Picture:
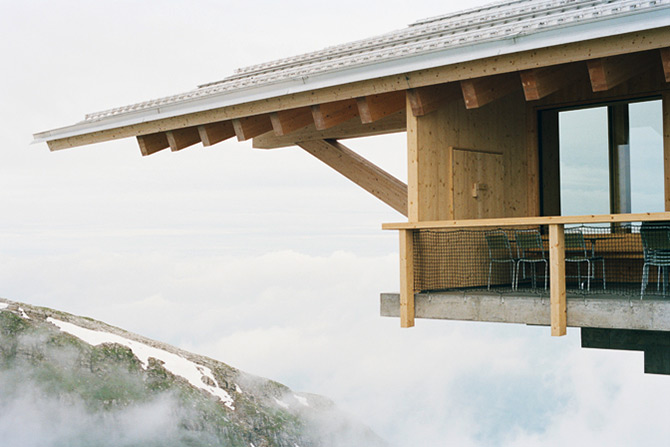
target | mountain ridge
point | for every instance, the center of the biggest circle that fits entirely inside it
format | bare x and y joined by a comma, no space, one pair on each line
104,374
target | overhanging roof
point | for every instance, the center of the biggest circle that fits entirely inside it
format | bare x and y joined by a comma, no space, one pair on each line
502,28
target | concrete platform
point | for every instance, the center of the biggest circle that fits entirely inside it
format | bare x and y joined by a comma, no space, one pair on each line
608,311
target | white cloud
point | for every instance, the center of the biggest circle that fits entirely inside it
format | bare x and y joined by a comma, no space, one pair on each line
266,260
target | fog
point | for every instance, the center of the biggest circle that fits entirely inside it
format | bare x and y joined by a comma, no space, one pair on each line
266,260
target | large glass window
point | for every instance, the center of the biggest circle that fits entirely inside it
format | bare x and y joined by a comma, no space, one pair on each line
646,157
584,162
605,159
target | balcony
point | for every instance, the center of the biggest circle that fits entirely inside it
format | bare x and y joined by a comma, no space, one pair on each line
594,273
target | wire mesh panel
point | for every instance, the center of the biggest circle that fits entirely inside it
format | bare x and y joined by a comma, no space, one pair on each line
621,259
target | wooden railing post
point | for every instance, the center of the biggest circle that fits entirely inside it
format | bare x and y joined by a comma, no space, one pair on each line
406,278
559,309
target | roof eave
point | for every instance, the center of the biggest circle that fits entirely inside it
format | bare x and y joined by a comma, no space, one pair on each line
512,44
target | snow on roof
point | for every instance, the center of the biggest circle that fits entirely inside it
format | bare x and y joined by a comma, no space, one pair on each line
502,27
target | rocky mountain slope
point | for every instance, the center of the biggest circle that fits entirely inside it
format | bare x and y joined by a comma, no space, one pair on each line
74,381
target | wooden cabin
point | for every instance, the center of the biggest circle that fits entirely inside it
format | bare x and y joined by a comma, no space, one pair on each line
489,99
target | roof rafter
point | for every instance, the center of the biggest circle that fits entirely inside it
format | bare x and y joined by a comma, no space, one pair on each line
331,114
608,72
287,121
665,59
182,138
252,126
481,91
152,143
425,100
375,107
540,82
213,133
348,129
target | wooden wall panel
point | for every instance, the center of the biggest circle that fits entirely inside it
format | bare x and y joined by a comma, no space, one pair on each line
479,179
497,127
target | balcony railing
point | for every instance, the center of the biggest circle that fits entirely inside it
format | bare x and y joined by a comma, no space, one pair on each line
447,255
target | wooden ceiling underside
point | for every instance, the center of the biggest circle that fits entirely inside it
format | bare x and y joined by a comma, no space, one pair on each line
386,113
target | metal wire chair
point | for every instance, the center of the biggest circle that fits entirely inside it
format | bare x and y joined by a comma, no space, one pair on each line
500,252
530,250
574,243
656,251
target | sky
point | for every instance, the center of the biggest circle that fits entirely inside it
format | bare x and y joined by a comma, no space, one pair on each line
266,260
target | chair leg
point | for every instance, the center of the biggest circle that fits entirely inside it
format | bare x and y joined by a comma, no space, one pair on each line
546,274
579,275
588,275
645,278
604,286
490,266
534,277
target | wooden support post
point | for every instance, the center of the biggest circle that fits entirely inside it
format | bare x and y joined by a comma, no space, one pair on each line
665,60
331,114
182,138
481,91
213,133
558,302
252,126
287,121
152,143
608,72
406,278
368,176
425,100
375,107
666,148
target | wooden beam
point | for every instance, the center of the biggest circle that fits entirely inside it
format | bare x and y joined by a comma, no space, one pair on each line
406,278
213,133
558,303
540,82
529,221
182,138
331,114
252,126
428,99
481,91
375,107
368,176
665,60
349,129
608,72
152,143
287,121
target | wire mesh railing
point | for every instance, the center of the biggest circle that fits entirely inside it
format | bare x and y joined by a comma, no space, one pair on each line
622,259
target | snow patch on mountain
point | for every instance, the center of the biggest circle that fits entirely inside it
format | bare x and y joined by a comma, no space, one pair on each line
301,399
281,403
197,375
